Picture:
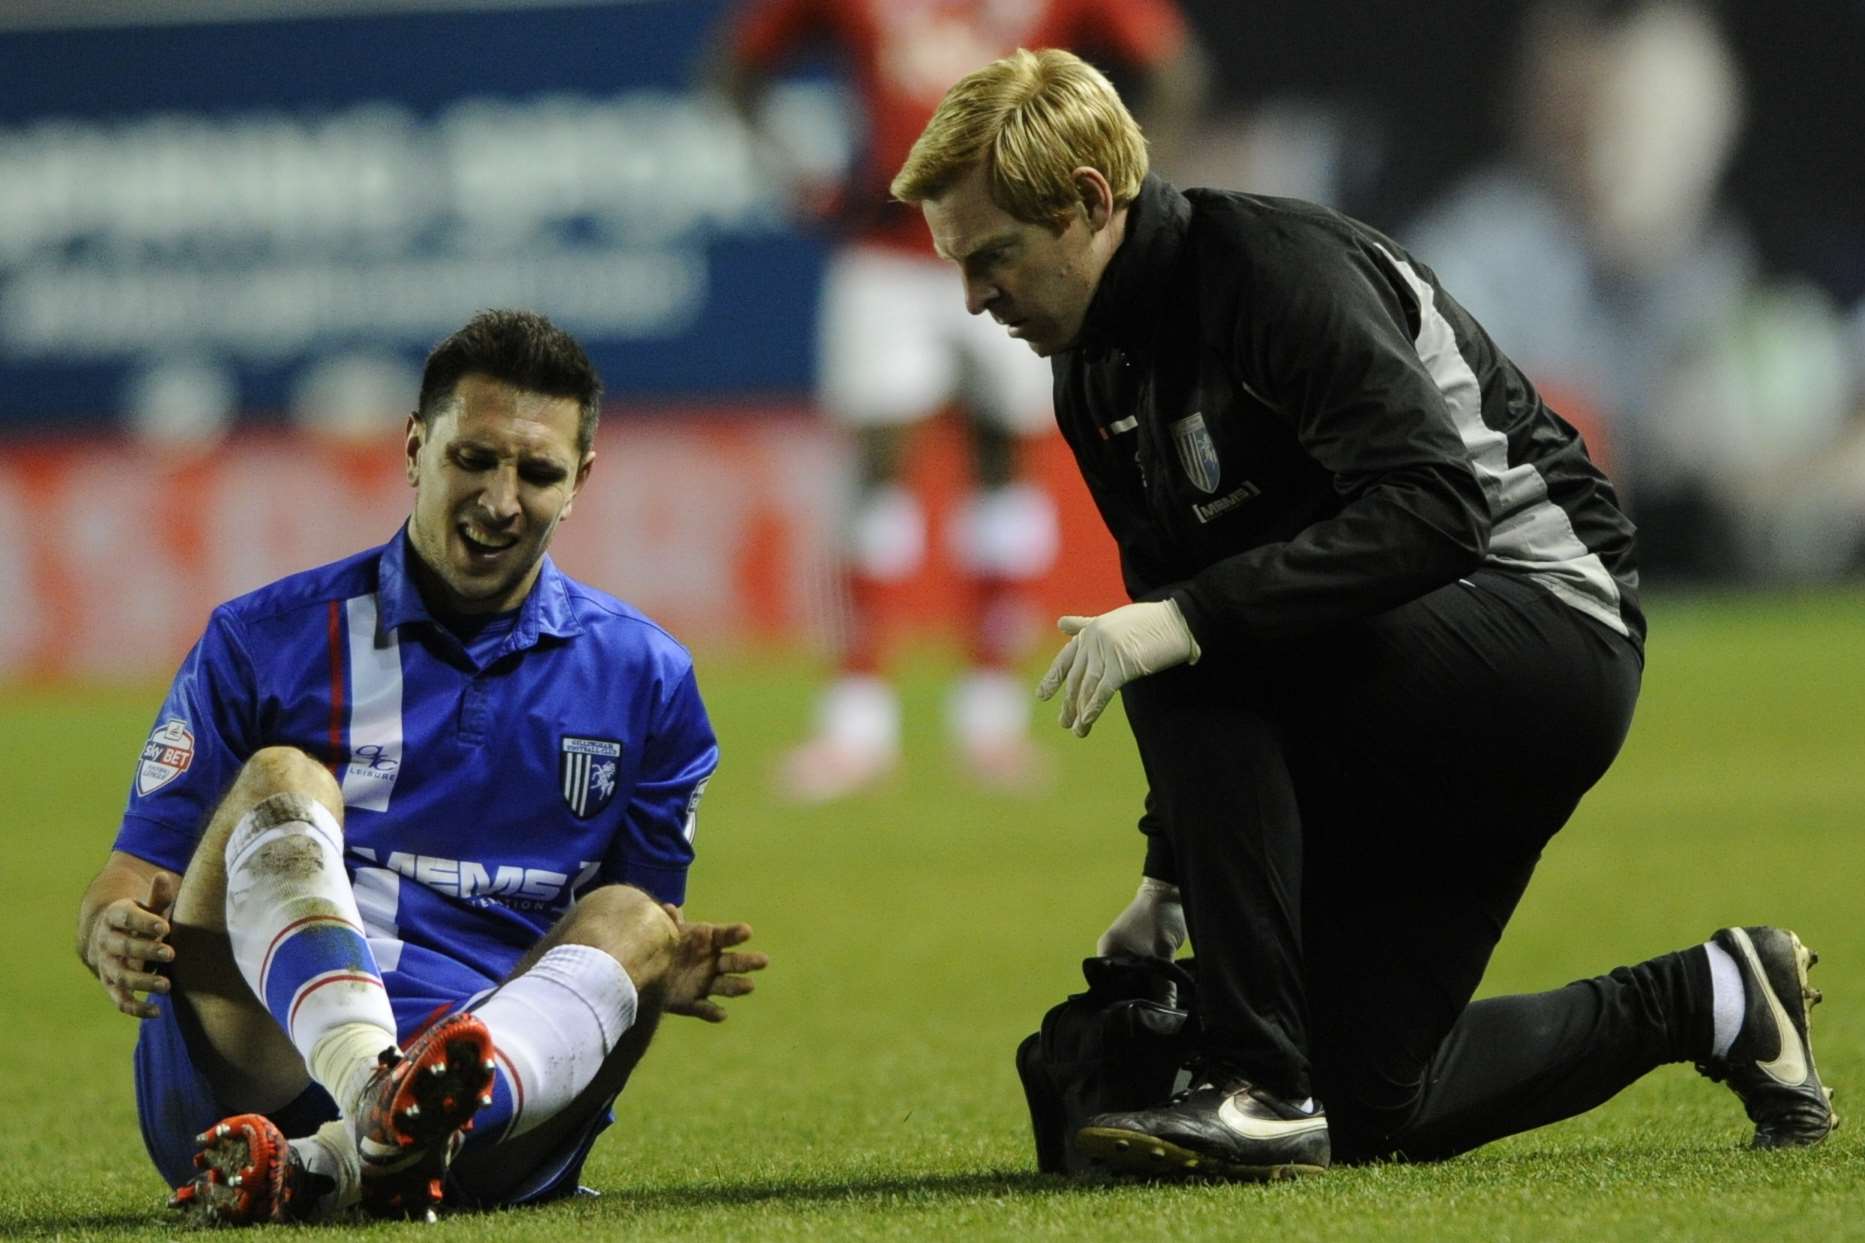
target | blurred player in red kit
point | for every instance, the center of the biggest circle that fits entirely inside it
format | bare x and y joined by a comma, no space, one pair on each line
894,348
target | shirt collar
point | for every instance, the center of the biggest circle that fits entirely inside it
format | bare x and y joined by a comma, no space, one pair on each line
546,610
1127,304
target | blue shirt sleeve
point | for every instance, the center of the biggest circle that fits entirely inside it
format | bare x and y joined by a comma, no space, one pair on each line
204,732
655,846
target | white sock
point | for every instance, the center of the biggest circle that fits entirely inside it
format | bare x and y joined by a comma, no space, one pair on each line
298,940
344,1058
331,1151
1730,999
553,1027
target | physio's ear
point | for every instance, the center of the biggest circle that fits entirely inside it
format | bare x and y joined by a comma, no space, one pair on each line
1095,194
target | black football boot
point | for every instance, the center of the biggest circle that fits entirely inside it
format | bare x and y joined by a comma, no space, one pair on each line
1220,1126
1770,1065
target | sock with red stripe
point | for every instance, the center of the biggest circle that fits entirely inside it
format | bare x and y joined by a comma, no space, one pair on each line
298,940
552,1027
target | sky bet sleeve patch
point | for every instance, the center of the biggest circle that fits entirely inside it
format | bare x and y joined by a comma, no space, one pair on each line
165,756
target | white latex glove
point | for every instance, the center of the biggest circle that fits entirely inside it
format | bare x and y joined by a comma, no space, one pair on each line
1152,926
1109,651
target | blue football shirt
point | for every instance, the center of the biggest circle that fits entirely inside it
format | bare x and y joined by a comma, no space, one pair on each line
484,787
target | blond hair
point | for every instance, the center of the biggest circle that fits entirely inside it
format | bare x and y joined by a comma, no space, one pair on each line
1032,118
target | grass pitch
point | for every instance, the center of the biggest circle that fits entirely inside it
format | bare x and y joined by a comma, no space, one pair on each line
866,1091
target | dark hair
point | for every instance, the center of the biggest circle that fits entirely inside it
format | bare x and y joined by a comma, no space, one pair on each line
526,351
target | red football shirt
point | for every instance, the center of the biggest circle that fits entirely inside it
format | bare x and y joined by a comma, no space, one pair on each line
905,54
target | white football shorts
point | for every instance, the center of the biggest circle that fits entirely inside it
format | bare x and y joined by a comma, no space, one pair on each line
896,344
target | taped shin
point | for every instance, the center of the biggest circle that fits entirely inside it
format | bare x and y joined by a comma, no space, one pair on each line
298,940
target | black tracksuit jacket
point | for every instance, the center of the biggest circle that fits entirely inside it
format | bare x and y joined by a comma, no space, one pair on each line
1287,424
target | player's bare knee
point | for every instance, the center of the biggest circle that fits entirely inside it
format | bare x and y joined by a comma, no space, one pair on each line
628,925
626,911
285,782
287,770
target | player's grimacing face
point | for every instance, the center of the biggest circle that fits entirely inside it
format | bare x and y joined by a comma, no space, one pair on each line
1035,280
493,475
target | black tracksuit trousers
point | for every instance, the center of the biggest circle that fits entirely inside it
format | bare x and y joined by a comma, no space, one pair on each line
1352,818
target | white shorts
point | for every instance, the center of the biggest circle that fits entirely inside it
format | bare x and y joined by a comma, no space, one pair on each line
896,344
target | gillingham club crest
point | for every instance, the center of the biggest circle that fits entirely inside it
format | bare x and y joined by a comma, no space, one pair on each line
587,770
1196,452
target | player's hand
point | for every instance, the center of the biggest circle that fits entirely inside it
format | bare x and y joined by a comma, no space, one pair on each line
1152,926
1105,653
127,937
706,965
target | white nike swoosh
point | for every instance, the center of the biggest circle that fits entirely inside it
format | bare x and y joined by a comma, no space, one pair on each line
1252,1126
1790,1068
382,1158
